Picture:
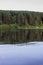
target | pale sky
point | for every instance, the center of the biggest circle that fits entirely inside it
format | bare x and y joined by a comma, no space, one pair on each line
30,5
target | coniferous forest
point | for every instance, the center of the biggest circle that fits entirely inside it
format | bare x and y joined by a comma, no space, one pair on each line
21,18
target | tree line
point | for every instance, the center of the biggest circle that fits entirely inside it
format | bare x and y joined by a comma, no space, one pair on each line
21,17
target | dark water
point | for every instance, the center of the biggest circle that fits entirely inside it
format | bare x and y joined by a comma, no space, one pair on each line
21,35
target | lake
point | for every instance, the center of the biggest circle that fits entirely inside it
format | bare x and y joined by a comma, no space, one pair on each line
21,47
21,36
22,54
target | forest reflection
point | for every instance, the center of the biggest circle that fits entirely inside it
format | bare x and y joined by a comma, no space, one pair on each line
21,35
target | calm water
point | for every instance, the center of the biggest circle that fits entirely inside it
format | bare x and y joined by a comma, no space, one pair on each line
22,54
21,35
29,51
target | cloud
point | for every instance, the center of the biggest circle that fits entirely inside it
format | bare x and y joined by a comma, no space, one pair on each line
32,5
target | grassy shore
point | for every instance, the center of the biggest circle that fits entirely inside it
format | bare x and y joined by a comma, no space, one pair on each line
5,27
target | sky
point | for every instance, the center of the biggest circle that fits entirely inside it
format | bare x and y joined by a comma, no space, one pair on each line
28,5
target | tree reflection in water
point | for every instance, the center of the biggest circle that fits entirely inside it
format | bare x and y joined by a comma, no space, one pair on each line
21,35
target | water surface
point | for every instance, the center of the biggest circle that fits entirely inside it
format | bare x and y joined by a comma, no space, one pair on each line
22,54
21,35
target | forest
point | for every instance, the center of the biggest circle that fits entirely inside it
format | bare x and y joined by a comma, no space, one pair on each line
17,19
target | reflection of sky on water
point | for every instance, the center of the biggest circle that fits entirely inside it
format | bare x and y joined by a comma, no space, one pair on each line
21,55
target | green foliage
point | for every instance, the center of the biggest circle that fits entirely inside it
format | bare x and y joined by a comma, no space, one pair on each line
21,17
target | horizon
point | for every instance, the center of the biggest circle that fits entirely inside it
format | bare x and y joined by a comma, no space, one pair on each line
21,10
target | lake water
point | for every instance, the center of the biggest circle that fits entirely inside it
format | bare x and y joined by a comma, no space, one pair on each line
21,35
26,47
22,54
